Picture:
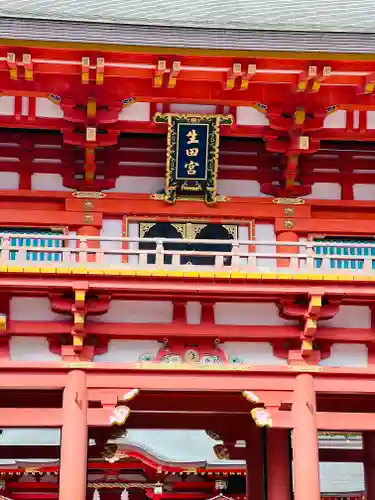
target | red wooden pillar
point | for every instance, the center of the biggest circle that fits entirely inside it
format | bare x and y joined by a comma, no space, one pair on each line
278,464
254,466
305,440
369,464
74,440
89,231
288,236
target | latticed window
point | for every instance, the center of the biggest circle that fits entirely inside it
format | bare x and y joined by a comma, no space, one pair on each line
37,240
193,231
354,251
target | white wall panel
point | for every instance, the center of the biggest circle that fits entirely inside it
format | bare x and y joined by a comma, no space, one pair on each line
47,109
31,349
138,111
364,191
240,188
34,309
193,313
133,184
137,311
25,106
350,317
251,353
9,180
247,115
335,120
265,232
128,351
112,227
370,119
202,109
325,191
7,105
48,182
350,355
253,313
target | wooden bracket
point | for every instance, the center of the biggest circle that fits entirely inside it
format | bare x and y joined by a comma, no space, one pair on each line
316,77
176,68
85,75
247,76
79,313
12,65
28,65
161,68
233,74
310,325
99,70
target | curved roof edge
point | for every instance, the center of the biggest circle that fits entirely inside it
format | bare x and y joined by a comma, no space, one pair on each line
185,38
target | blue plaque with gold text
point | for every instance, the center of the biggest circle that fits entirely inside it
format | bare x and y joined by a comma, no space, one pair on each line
192,154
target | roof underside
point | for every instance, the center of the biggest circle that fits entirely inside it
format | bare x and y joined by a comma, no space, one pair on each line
183,37
348,16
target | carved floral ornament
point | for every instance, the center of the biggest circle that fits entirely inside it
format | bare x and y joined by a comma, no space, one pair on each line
121,413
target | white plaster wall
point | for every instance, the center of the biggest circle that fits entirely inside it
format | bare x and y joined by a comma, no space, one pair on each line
202,109
364,191
136,311
133,184
356,119
111,227
253,313
129,351
193,313
335,120
250,116
138,111
353,355
349,317
25,106
9,180
325,191
31,349
265,232
48,182
46,108
370,119
33,309
239,187
341,477
7,105
251,353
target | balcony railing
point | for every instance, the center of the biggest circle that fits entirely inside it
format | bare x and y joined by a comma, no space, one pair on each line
245,255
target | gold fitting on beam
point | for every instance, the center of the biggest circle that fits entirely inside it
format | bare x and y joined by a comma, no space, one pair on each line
251,71
304,142
28,65
85,70
161,68
176,68
100,70
91,108
12,65
91,134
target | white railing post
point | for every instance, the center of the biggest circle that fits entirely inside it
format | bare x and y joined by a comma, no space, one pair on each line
176,260
310,255
367,265
5,253
235,255
219,261
159,261
82,250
